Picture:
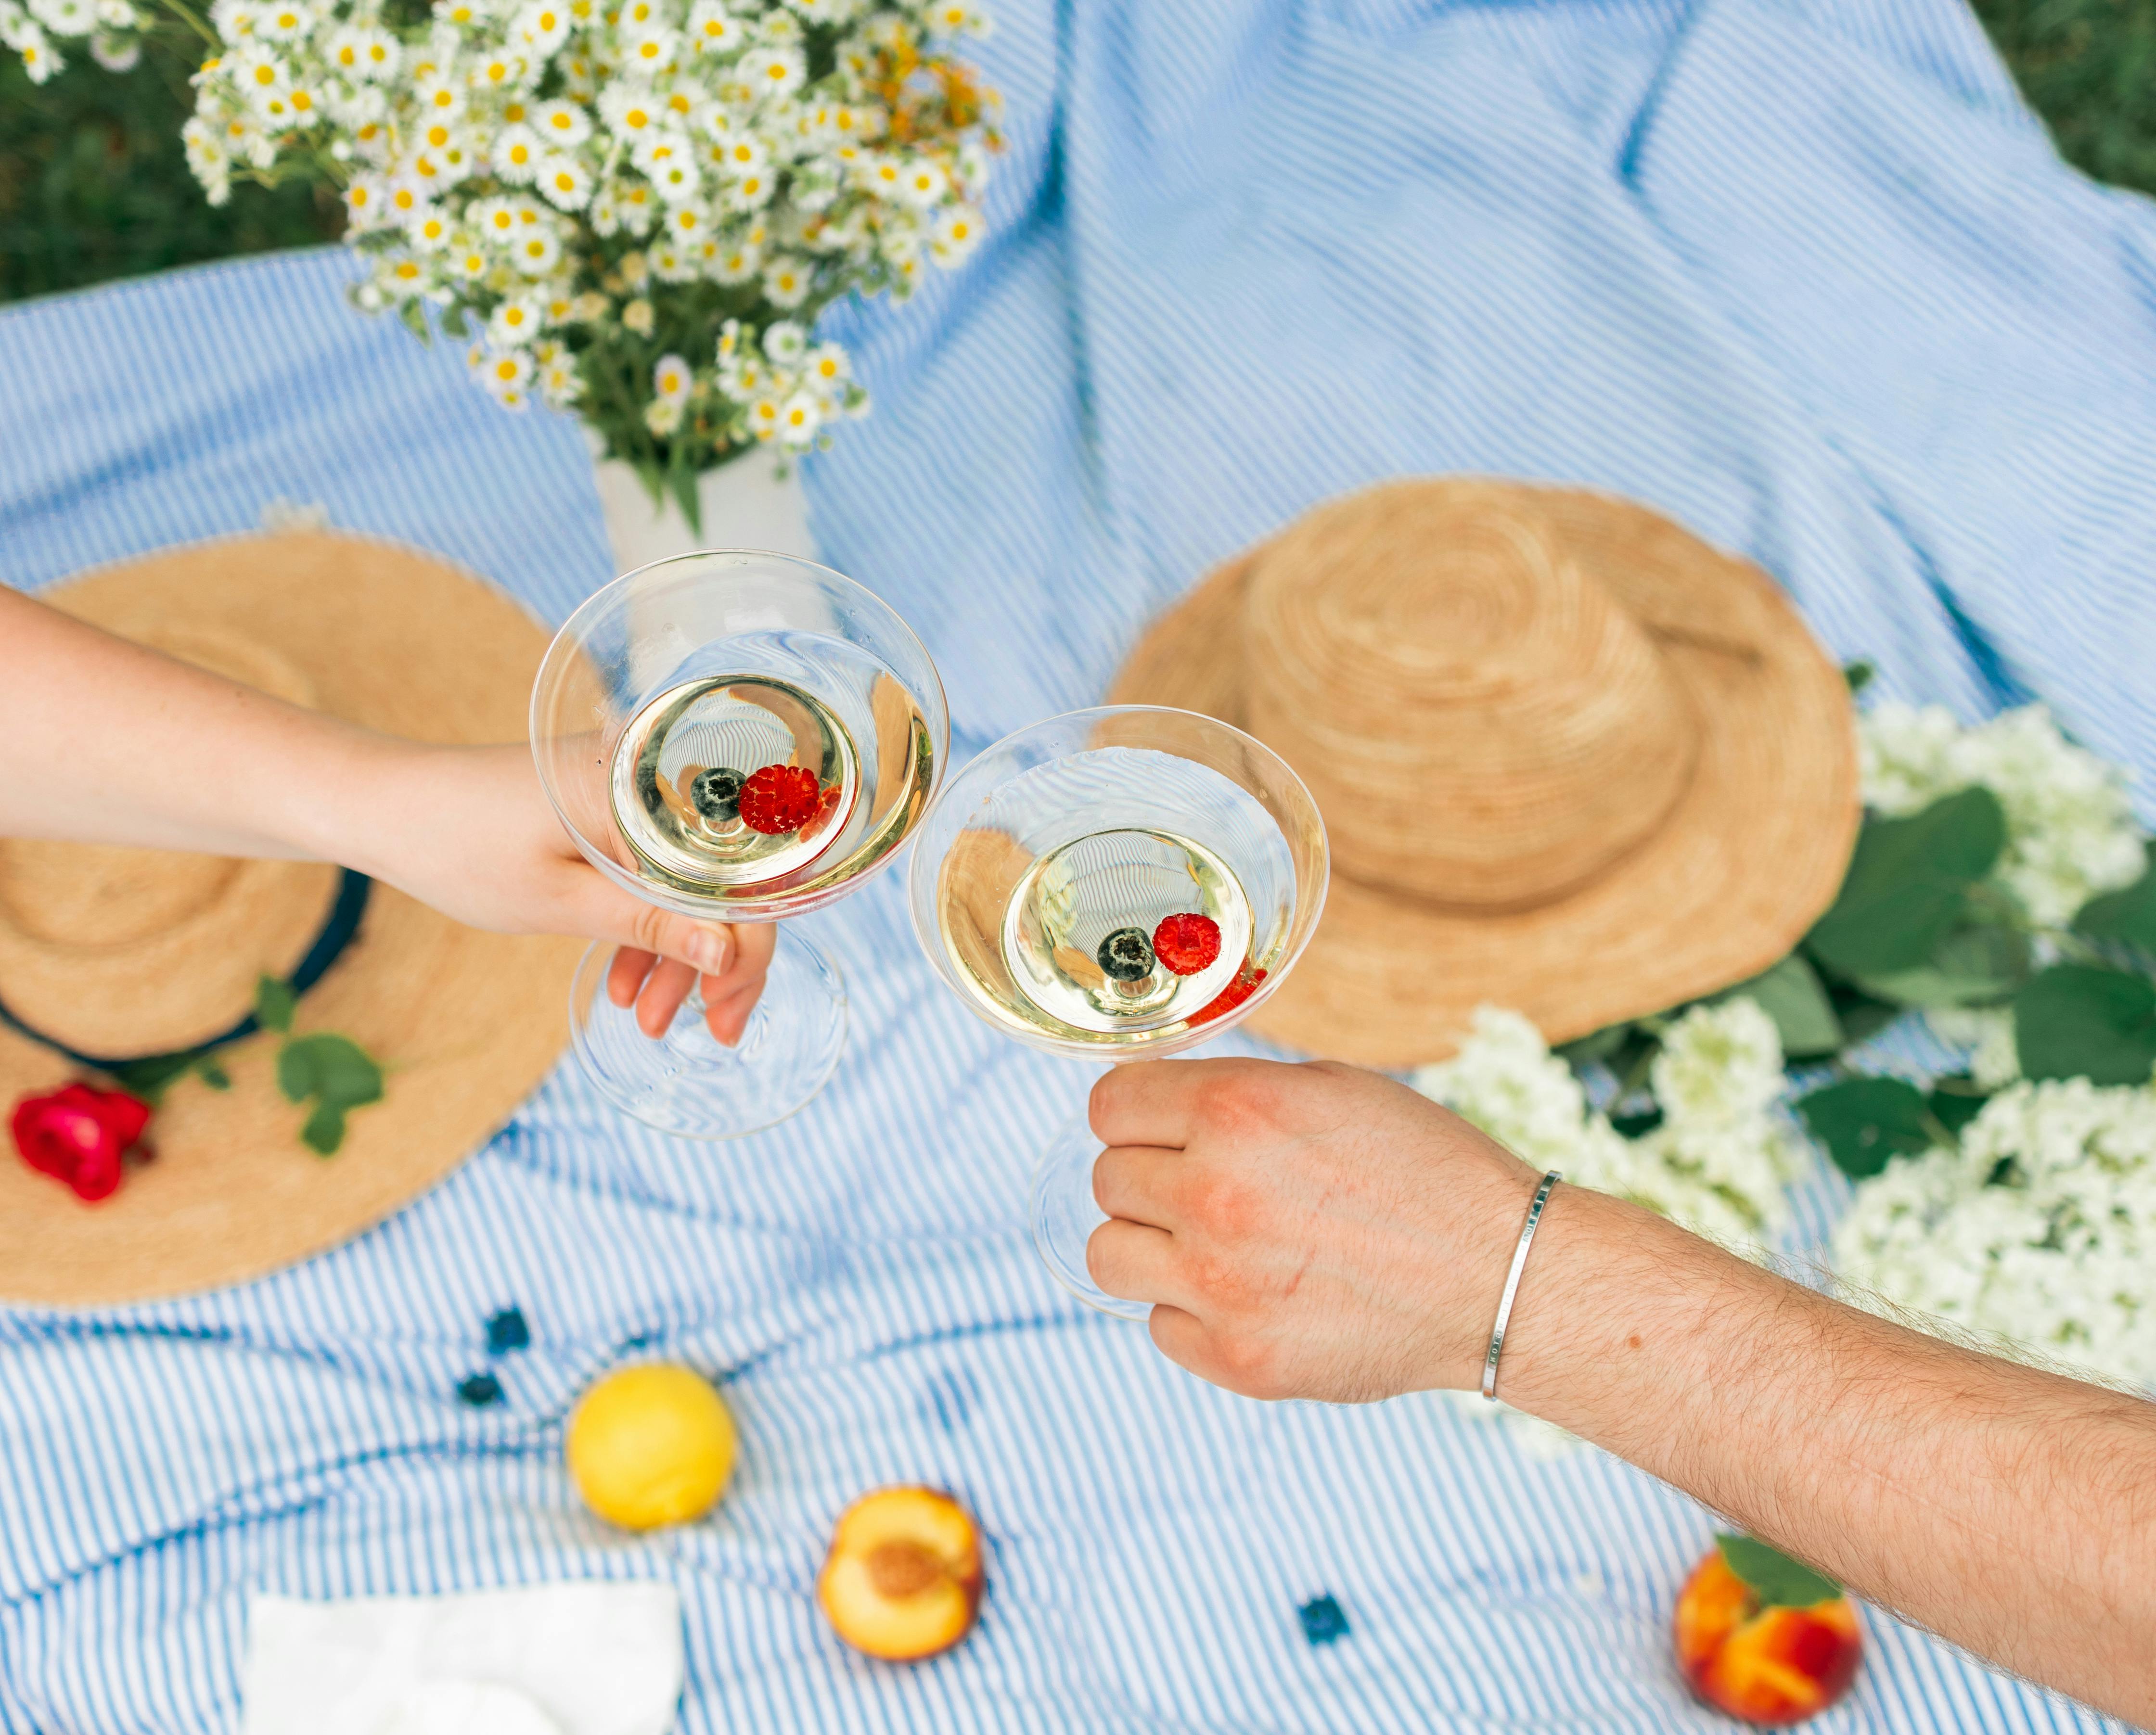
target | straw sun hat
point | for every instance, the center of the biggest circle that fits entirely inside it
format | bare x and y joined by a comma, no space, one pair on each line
1572,760
118,954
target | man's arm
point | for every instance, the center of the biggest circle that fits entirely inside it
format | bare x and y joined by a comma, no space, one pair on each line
1321,1232
104,741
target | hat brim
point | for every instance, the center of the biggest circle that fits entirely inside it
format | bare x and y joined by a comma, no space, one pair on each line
465,1023
1752,852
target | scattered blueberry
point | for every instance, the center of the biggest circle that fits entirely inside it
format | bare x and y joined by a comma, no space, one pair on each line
507,1331
717,793
1322,1620
1127,955
480,1390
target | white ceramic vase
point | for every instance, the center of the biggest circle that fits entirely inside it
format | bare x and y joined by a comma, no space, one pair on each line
745,504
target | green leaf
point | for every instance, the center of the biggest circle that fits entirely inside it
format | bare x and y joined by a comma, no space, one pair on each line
1858,675
1970,966
324,1131
1955,1100
1907,884
1791,994
1638,1126
295,1071
149,1079
212,1075
1865,1121
2129,914
274,1003
1597,1045
2083,1021
336,1069
1777,1581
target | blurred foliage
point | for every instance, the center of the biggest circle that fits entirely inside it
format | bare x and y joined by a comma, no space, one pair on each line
93,184
2088,67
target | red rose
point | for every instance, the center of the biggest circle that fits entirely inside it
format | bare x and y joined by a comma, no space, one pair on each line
79,1134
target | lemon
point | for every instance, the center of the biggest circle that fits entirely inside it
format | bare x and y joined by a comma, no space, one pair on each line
651,1445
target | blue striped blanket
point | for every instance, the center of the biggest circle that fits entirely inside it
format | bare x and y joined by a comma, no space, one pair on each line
1802,272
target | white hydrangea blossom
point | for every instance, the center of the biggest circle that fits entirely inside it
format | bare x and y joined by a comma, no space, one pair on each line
1994,1062
646,168
2070,832
2036,1232
1719,1163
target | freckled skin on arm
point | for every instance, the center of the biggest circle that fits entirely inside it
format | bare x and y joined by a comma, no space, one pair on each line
1322,1232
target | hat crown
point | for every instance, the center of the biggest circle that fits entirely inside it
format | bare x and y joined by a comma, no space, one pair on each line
1482,724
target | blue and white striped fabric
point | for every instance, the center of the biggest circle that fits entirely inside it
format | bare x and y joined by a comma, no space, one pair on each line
1802,273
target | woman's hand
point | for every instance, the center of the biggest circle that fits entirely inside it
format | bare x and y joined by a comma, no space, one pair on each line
1312,1231
469,831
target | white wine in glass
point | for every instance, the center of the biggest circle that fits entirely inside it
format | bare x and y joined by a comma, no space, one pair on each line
736,736
1121,883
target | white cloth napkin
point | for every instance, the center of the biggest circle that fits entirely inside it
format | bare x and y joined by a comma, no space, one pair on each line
544,1660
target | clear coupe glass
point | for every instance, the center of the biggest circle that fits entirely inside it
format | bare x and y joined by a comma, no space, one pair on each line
1120,883
737,736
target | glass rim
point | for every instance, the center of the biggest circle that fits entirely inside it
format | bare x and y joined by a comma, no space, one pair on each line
784,905
920,894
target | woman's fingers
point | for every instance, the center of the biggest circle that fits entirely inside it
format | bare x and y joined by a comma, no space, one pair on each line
726,1016
625,974
661,996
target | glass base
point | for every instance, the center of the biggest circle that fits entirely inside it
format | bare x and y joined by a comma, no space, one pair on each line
1064,1216
691,1085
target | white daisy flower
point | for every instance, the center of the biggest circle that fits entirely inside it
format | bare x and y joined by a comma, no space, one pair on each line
471,263
66,17
639,206
957,233
366,200
506,372
495,220
536,251
786,283
517,321
259,73
630,110
234,20
429,230
764,418
921,184
361,53
713,29
785,342
541,28
672,265
748,192
515,155
827,366
799,418
562,125
282,20
773,71
497,71
637,317
438,99
736,265
404,277
563,181
688,227
114,52
662,416
671,377
650,51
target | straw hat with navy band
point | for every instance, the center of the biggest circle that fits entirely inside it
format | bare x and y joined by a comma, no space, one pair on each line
110,955
1572,759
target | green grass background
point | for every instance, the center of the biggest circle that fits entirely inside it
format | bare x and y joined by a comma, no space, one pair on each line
93,185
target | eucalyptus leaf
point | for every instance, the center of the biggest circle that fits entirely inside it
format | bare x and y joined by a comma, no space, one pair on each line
1777,1581
1907,884
323,1133
2129,914
1859,674
2084,1021
1970,966
1791,994
274,1003
1864,1122
212,1074
295,1071
149,1079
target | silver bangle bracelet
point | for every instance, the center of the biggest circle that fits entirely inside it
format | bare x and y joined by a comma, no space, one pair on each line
1512,1284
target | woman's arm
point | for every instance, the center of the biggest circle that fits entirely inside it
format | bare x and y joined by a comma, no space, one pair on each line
104,741
1322,1232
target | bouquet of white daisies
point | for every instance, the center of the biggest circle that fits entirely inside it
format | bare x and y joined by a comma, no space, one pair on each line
633,208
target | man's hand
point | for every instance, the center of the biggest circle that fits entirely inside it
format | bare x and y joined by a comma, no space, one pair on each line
469,830
1309,1231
